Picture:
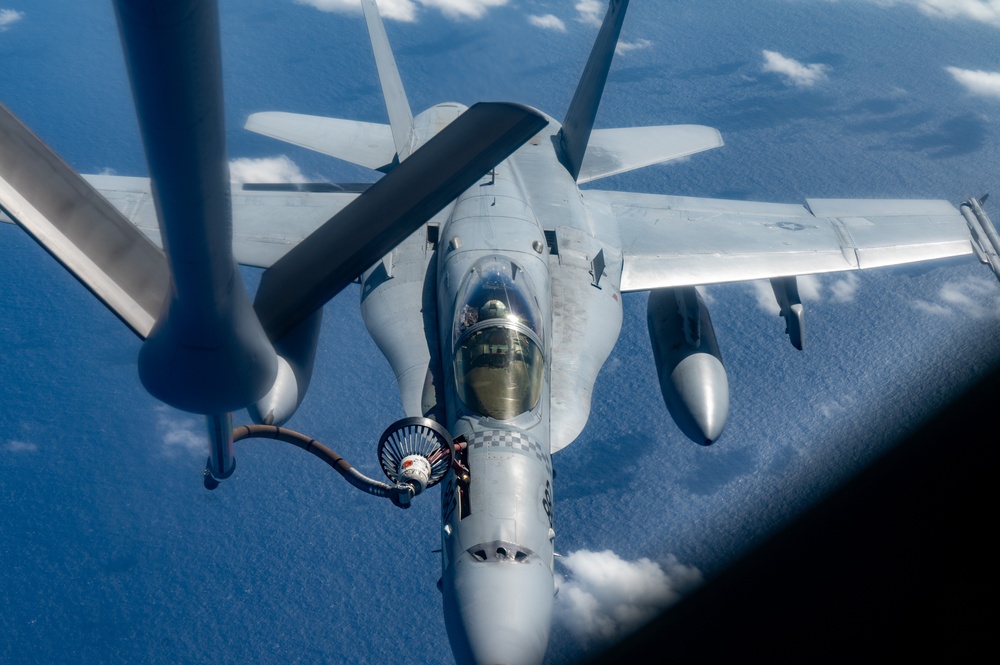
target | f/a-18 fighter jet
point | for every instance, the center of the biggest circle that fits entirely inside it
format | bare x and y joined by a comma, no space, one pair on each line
491,282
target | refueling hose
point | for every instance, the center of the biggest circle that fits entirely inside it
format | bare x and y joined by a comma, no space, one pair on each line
399,494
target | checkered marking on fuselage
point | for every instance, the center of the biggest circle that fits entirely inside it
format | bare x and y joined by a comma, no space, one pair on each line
517,442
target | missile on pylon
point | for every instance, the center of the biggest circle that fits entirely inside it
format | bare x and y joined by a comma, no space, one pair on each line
986,242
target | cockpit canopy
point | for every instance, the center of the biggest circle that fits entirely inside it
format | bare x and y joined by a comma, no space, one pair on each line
499,366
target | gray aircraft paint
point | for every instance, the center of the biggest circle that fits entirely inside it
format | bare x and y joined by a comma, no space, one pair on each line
580,249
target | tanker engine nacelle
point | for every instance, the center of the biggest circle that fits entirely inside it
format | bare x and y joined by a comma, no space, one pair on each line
688,363
296,355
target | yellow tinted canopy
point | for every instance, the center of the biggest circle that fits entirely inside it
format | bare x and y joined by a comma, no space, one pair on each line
499,364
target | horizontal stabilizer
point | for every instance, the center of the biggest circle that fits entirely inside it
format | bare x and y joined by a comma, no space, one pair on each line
613,151
78,227
393,208
366,144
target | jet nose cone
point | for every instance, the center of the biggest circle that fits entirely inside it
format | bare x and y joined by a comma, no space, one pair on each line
703,388
498,613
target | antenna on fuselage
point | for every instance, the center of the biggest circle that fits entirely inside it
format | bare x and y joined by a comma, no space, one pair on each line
579,121
396,104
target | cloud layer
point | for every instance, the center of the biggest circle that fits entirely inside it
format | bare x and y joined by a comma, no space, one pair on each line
15,446
181,433
639,44
982,11
406,10
976,298
794,72
265,169
604,596
977,82
9,17
548,21
590,11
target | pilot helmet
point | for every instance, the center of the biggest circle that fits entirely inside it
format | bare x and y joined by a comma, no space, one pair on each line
494,309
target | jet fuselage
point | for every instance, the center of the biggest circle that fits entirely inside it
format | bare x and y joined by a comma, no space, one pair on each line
471,322
494,304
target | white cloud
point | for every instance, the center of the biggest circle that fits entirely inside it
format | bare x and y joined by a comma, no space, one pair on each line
9,17
844,288
265,169
810,287
978,82
983,11
398,10
830,409
463,8
548,21
15,446
931,308
833,408
639,44
765,296
604,596
794,72
181,433
976,298
591,11
406,10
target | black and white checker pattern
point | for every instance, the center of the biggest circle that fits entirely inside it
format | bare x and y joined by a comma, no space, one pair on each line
513,441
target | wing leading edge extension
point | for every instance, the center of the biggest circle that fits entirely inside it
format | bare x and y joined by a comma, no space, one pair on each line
672,241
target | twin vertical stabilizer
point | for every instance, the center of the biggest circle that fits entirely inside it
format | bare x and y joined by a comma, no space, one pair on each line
400,116
579,121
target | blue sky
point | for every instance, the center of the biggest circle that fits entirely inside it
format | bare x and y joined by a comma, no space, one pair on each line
112,550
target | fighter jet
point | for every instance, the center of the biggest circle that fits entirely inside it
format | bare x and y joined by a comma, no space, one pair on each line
489,279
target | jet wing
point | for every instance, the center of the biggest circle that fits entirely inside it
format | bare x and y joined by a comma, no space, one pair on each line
268,220
682,241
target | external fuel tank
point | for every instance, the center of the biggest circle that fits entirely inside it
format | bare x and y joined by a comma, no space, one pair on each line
688,362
